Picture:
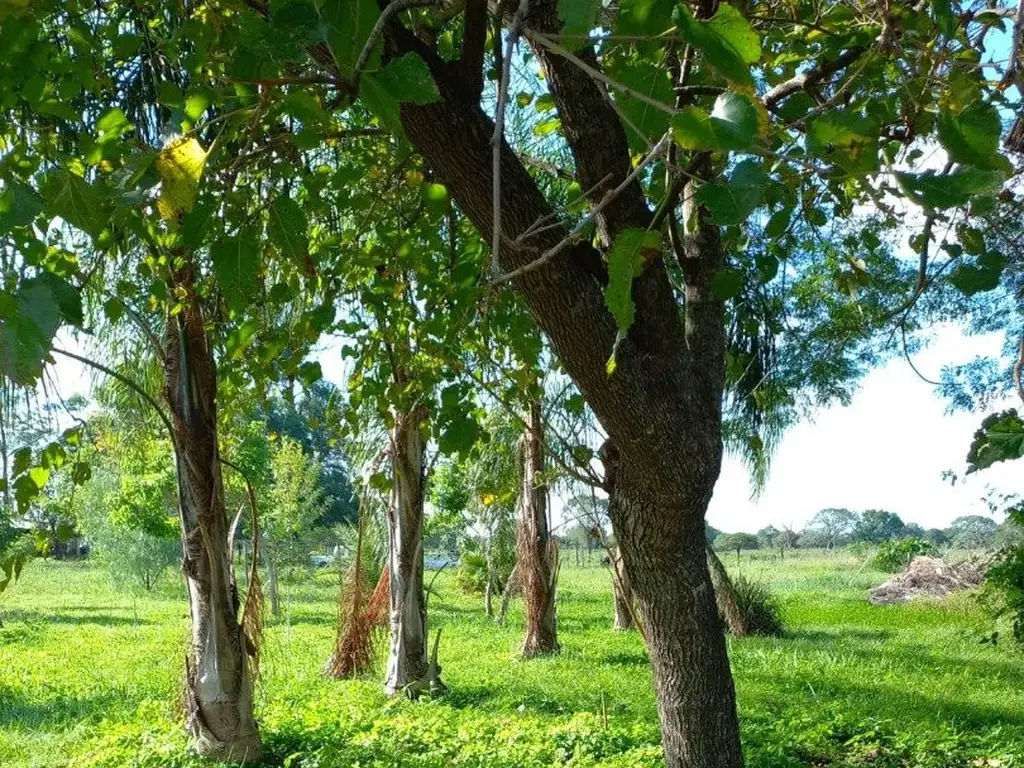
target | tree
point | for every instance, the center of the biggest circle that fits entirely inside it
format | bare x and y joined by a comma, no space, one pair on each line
877,525
936,537
737,542
295,501
655,291
536,549
972,532
830,527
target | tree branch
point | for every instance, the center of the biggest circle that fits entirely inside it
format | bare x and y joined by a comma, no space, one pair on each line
498,137
548,255
127,382
394,7
474,41
812,77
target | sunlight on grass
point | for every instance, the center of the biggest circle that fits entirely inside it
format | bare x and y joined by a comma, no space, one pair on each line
89,676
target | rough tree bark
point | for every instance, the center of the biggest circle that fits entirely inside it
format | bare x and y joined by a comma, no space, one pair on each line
623,594
536,557
219,706
407,658
725,596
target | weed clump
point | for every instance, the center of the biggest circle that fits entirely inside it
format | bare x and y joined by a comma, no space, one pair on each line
761,610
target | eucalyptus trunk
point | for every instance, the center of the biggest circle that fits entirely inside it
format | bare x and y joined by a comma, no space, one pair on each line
218,686
536,556
407,658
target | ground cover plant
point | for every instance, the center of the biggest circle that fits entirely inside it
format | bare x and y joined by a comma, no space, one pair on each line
88,675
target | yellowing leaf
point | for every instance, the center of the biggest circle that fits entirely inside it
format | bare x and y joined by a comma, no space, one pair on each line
487,499
179,165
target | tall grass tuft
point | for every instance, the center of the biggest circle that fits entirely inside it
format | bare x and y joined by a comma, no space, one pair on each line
761,611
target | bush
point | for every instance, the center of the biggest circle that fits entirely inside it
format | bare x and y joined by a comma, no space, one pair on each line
894,555
761,610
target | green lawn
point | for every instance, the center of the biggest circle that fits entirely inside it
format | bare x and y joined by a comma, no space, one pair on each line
89,675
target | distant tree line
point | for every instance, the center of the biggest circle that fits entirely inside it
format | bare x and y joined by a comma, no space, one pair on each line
838,527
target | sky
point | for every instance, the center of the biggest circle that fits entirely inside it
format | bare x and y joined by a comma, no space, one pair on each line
886,450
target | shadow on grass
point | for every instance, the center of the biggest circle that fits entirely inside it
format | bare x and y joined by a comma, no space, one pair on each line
16,710
100,619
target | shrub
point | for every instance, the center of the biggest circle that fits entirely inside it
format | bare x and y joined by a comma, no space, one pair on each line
894,555
760,608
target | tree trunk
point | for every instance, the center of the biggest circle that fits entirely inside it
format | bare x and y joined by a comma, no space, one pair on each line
272,587
407,659
623,594
676,603
661,407
536,557
219,706
725,596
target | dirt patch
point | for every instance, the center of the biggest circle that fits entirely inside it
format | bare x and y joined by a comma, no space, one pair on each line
928,577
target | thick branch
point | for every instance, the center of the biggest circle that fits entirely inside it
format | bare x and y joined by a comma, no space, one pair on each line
474,41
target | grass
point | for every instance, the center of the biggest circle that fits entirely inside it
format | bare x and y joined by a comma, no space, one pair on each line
89,676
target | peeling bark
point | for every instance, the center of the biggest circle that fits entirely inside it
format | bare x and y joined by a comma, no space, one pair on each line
219,706
407,658
536,556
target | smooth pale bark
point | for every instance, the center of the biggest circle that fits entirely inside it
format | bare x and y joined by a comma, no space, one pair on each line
407,657
536,557
219,706
623,594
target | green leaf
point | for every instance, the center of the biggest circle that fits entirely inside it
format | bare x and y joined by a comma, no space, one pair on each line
349,25
459,434
310,373
28,321
76,201
112,125
972,136
80,473
382,104
288,229
732,124
733,202
25,492
19,205
578,17
22,460
727,40
983,276
643,76
408,79
113,308
846,139
1001,438
630,251
39,476
726,284
933,190
971,239
68,299
778,223
236,265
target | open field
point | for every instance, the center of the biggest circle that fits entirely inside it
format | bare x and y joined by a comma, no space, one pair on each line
89,674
